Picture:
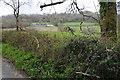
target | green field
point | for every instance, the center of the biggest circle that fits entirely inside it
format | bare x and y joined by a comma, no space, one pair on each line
78,23
90,28
63,35
77,32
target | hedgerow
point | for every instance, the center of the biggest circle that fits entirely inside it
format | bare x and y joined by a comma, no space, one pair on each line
77,57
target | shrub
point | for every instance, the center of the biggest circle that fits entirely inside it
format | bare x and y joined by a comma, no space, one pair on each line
21,40
33,41
97,57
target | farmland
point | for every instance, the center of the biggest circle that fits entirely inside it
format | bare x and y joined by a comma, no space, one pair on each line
92,27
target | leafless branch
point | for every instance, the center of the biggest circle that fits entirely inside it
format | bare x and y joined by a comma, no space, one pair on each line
71,30
81,12
13,3
9,4
51,4
89,75
23,4
96,10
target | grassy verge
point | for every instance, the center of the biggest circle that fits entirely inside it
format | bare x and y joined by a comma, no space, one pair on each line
35,66
0,51
22,60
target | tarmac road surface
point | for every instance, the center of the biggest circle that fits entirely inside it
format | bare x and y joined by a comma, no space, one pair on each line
9,71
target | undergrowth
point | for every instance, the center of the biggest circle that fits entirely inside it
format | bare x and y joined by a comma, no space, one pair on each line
62,57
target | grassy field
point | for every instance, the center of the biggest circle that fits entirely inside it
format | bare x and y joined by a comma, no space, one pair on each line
68,35
87,27
78,23
53,31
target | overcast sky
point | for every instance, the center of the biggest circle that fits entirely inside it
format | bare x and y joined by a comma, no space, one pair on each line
33,7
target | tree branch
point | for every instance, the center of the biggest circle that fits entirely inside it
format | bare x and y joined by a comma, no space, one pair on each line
46,5
23,4
9,5
79,10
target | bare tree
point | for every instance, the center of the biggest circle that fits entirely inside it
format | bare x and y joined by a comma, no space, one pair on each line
15,5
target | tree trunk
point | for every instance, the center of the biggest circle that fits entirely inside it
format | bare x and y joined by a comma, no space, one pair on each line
108,20
17,16
17,24
118,26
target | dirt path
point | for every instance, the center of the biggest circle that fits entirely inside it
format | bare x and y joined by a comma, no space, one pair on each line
9,70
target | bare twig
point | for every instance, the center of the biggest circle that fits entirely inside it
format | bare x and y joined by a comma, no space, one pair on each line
9,4
89,75
81,12
96,11
37,41
71,30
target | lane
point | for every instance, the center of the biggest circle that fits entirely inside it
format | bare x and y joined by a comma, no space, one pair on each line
9,71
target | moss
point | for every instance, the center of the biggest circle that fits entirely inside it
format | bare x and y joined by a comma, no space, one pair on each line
108,20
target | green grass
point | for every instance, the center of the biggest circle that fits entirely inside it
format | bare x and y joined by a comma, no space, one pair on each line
78,23
67,35
91,28
84,28
35,66
0,50
58,34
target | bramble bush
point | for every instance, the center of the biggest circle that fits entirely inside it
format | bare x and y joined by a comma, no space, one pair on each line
99,58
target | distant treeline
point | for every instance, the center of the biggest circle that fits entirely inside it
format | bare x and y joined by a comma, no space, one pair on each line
55,19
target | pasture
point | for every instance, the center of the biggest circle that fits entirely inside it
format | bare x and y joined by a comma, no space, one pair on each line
89,27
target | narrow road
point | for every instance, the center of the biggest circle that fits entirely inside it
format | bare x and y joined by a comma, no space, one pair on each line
9,70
